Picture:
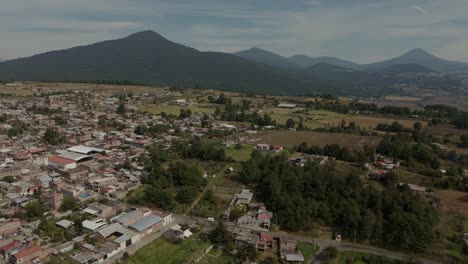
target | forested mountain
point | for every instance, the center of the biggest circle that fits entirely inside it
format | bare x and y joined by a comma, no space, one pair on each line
305,61
147,57
267,57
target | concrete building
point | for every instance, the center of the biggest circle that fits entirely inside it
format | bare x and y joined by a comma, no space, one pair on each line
120,235
53,200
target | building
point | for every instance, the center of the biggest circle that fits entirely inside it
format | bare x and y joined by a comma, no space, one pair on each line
128,218
166,217
100,210
85,150
120,235
53,200
26,255
287,105
147,225
60,163
10,226
244,197
94,224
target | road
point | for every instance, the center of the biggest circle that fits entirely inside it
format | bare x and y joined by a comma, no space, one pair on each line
345,246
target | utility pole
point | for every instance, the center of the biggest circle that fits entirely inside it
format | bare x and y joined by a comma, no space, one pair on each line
354,236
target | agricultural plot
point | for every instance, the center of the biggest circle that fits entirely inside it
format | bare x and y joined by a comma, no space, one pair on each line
241,154
453,201
289,139
369,122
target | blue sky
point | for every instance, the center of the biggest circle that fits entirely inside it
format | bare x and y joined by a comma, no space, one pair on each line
359,30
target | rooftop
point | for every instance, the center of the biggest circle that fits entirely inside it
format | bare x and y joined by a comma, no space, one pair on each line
145,222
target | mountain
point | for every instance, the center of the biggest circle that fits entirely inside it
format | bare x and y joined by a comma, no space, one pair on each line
407,68
147,57
305,61
421,57
267,57
2,60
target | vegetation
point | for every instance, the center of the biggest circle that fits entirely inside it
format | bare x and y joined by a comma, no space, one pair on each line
53,137
392,216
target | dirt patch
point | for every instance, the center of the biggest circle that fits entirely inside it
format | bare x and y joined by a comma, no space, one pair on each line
453,201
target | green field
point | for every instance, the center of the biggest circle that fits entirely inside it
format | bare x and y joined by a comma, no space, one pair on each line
354,257
307,250
242,154
163,252
216,256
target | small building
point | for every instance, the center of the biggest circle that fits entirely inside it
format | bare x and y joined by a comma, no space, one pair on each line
53,200
100,210
287,105
64,223
94,224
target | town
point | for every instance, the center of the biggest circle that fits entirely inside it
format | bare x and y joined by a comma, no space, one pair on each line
93,174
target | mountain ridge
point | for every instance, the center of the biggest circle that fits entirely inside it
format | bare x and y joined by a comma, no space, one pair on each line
147,57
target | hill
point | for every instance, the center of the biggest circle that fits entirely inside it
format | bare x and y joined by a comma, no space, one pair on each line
268,58
421,57
147,57
407,68
305,61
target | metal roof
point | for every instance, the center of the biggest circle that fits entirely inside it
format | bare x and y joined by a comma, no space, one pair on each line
145,222
73,156
86,150
125,234
123,219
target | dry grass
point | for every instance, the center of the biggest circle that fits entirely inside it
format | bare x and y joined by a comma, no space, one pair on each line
453,201
290,138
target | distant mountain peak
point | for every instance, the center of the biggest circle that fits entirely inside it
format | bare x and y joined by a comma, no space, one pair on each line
418,54
146,34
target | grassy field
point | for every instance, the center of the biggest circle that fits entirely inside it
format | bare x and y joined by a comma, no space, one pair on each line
175,109
307,250
242,154
369,122
354,257
453,201
163,252
216,256
289,139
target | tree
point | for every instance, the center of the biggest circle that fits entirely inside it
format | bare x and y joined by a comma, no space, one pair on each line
53,137
417,126
236,213
121,108
140,130
464,141
290,123
186,194
69,203
221,236
330,253
185,113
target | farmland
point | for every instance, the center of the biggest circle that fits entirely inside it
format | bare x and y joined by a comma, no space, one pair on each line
175,109
291,138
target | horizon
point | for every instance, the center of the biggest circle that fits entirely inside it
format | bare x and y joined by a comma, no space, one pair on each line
360,31
250,48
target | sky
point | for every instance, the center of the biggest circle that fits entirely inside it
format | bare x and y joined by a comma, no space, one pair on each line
359,30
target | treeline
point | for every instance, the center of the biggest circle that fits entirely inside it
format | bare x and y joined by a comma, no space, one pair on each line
435,114
300,197
338,152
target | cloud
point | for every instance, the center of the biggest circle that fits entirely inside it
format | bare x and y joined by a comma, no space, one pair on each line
420,9
361,30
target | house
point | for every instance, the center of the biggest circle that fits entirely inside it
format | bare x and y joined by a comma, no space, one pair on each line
53,200
44,181
64,223
287,105
100,210
166,217
94,224
263,147
63,248
120,235
265,241
244,197
8,227
26,255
